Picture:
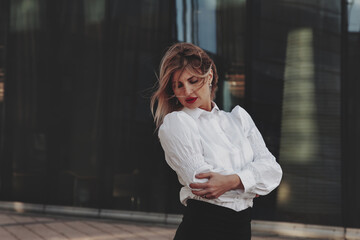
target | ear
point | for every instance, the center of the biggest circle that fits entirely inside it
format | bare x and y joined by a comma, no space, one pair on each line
210,77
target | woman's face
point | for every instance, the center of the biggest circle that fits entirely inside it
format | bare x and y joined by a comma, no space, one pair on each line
191,91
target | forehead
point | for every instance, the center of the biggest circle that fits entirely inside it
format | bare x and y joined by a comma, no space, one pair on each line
182,75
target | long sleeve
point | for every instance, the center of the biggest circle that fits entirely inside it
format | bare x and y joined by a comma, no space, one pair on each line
180,139
263,174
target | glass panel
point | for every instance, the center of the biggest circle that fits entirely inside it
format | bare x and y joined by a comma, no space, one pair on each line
134,173
75,31
230,52
4,21
81,132
295,99
3,34
353,16
26,140
219,28
53,105
351,113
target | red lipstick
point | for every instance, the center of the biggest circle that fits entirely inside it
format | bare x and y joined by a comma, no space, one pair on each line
191,99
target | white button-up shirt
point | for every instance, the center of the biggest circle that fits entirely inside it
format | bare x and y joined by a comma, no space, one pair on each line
197,141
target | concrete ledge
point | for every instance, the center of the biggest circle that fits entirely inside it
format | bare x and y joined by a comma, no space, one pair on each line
115,214
71,211
269,227
299,230
174,219
352,233
22,207
134,216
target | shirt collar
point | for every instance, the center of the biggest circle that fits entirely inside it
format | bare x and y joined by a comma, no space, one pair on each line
196,112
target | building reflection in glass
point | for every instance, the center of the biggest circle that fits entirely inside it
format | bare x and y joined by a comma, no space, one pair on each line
196,22
299,130
353,15
233,90
210,24
351,113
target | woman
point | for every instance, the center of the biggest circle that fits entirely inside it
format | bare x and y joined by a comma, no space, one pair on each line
220,158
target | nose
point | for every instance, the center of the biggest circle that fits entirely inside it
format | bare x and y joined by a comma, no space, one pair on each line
187,89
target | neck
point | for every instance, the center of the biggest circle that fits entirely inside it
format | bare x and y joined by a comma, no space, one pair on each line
208,106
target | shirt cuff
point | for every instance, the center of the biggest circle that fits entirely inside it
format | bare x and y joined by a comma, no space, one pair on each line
247,179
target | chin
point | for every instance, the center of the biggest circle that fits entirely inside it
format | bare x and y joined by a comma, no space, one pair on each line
191,106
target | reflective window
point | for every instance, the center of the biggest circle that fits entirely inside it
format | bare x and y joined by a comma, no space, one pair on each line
353,16
351,112
4,20
81,129
219,28
295,101
79,75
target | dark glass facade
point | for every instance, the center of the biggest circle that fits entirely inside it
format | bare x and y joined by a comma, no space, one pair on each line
296,56
351,113
76,79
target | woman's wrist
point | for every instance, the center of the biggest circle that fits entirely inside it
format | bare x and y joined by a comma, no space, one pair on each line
236,182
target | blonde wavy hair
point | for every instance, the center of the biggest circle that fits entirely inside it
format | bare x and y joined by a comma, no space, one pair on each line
180,56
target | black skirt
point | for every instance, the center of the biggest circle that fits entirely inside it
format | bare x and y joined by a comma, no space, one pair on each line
204,220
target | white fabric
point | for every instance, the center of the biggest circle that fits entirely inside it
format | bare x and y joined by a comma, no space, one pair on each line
197,141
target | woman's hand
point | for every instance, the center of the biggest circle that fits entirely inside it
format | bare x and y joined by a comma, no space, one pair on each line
216,185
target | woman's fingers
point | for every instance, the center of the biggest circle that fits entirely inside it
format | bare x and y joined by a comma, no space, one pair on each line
200,192
209,193
204,194
198,185
200,176
204,175
216,185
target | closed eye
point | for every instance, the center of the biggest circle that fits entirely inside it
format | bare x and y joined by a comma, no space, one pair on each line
193,80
